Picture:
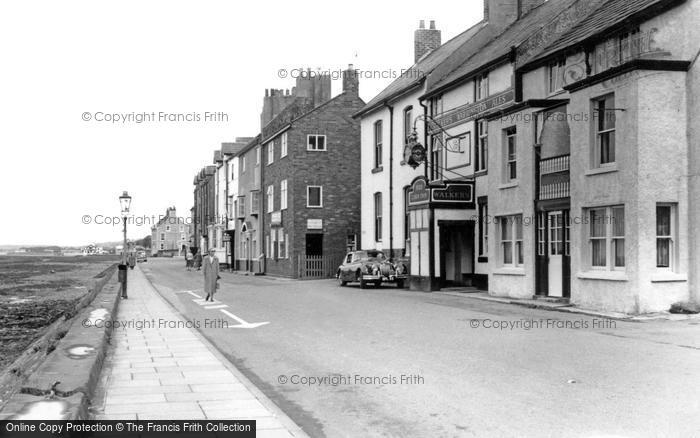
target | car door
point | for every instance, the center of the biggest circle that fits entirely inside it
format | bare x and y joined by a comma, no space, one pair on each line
345,268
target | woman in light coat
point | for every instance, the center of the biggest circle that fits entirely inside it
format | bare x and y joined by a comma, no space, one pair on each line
211,274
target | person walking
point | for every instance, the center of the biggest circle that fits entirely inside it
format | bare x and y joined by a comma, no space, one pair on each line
131,259
211,274
189,258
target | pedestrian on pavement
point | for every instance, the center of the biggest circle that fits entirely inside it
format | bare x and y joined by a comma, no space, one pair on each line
198,260
189,258
211,274
131,260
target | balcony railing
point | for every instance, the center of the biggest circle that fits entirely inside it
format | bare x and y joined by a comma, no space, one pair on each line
554,178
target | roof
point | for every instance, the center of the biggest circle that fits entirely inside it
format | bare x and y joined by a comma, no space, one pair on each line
608,15
423,67
475,54
233,148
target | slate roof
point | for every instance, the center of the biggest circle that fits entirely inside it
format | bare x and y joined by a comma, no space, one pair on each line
474,55
423,67
611,13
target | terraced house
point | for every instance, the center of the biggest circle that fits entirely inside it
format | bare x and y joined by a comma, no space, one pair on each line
562,160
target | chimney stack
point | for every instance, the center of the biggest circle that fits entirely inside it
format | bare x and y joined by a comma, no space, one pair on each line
426,40
502,13
351,83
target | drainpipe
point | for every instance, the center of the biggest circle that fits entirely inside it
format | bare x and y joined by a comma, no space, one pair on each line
261,213
391,180
431,218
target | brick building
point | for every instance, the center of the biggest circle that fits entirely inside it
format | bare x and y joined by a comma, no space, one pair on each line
311,180
170,236
204,216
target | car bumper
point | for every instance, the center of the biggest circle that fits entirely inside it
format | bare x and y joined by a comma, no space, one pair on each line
389,279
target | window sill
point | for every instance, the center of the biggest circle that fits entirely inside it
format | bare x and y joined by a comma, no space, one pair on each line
520,272
601,170
603,275
378,169
314,206
481,173
668,277
509,185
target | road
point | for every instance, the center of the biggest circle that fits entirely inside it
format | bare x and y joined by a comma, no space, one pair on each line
470,367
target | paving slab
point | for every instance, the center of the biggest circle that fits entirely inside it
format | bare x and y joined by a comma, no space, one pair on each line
165,373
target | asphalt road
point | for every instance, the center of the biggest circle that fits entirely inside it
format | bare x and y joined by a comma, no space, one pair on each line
470,367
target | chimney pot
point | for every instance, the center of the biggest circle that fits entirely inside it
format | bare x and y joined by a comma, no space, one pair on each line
426,40
421,24
432,24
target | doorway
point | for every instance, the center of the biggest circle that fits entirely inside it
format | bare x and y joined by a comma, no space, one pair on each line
456,252
314,244
553,258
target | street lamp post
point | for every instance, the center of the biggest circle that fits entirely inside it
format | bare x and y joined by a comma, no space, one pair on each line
125,202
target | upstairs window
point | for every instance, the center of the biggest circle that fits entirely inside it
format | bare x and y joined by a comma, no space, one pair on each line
510,154
407,124
315,142
555,76
314,196
378,147
482,147
283,195
283,147
481,87
270,198
604,120
270,152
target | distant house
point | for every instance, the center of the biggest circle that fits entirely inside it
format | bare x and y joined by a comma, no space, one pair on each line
170,236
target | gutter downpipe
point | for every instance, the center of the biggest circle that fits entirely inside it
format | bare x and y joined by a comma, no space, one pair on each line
431,218
391,179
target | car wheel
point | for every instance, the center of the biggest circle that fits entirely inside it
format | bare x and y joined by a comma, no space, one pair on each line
399,284
340,279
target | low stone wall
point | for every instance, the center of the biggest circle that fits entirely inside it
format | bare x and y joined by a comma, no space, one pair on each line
57,375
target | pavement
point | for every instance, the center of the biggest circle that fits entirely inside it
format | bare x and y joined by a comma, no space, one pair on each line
163,369
345,361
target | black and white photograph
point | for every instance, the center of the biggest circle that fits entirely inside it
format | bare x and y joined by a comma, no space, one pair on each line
350,219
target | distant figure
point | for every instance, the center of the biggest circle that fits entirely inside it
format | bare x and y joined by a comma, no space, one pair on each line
211,274
189,260
131,260
198,260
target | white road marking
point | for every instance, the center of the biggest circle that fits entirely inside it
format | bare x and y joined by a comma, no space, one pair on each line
202,302
220,306
242,322
193,294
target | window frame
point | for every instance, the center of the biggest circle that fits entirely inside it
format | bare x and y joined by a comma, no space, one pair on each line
600,131
609,238
407,124
558,66
270,152
283,194
671,237
481,158
483,212
510,172
378,216
481,87
284,145
320,196
270,196
514,225
316,148
378,144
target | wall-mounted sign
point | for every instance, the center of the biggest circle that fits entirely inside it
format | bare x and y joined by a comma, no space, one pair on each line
471,111
276,218
419,193
314,224
454,193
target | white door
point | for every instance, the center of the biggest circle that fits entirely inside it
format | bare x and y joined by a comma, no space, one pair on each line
556,253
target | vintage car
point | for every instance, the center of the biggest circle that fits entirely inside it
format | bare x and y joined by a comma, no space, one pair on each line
371,267
141,256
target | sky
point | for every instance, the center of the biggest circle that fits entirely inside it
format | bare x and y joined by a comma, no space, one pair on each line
67,67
